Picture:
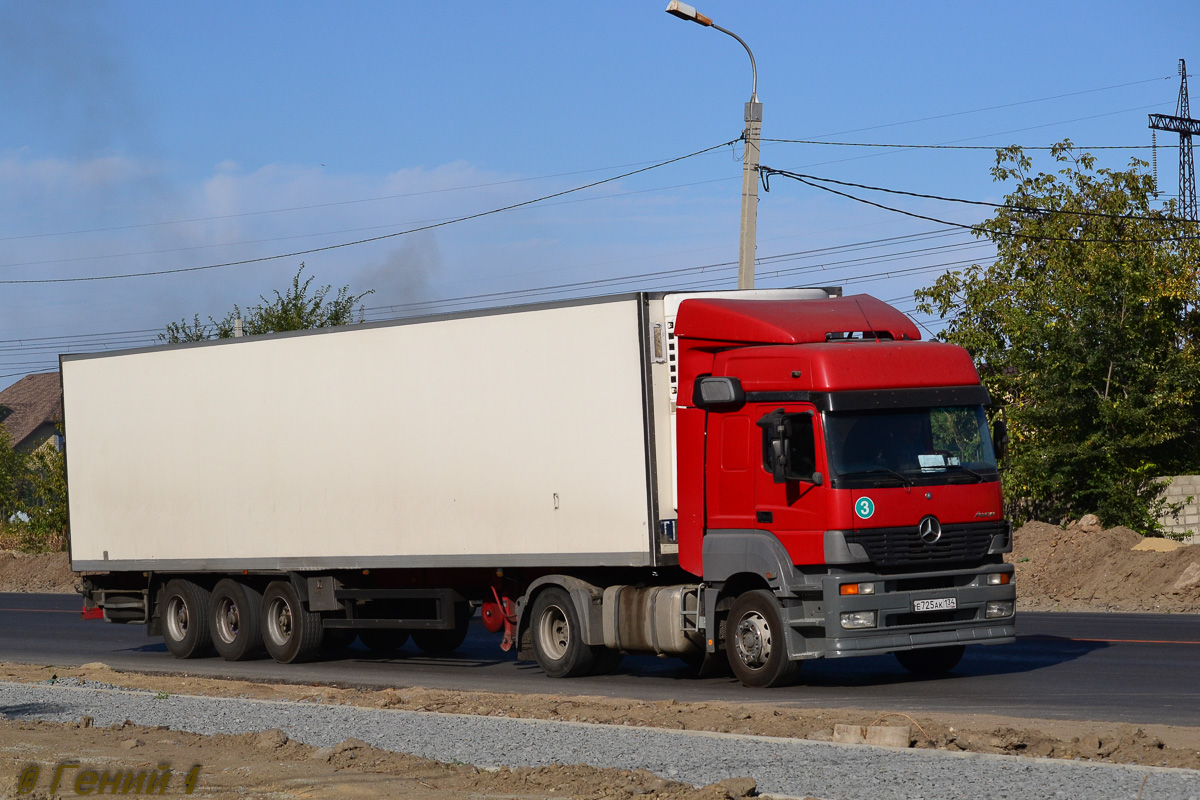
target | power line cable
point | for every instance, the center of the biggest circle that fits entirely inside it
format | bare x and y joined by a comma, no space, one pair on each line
962,146
768,171
163,251
986,231
340,245
998,107
331,204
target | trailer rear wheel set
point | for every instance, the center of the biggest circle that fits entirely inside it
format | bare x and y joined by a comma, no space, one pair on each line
240,623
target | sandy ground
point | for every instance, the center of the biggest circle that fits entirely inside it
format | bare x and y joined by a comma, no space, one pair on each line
1080,568
268,764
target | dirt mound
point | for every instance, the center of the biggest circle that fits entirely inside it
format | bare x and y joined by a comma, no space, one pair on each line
1084,568
40,572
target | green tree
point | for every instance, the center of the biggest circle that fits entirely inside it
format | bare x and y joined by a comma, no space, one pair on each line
1085,333
33,498
299,308
13,477
45,502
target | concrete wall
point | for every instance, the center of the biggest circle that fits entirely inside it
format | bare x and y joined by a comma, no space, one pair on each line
1182,487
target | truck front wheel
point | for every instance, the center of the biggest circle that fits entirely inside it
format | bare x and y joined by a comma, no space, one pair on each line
290,633
185,619
234,620
558,637
930,660
756,641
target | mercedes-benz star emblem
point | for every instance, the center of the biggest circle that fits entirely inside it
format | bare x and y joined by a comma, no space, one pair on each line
930,530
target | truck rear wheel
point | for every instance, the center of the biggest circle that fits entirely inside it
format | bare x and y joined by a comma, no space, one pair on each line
185,619
930,660
558,637
756,641
290,633
234,620
445,641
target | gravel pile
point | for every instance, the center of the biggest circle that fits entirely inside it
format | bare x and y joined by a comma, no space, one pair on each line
786,767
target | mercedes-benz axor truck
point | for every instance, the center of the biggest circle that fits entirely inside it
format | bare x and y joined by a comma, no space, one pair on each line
768,476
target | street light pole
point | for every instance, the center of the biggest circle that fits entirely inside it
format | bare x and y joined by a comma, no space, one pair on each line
750,138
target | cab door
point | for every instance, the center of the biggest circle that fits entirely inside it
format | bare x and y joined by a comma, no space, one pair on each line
791,507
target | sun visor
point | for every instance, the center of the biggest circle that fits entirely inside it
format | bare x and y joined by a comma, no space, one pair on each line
790,321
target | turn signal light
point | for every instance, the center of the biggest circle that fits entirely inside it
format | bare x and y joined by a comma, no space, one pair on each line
857,588
999,579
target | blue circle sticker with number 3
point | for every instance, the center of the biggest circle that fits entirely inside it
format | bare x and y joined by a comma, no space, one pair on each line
865,507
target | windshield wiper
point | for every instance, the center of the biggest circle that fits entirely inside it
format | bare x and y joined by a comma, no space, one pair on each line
978,476
880,471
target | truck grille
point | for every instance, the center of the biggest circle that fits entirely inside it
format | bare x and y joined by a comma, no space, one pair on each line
901,547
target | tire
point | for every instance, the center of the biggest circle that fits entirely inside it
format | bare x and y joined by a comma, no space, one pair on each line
383,641
185,619
930,660
234,621
756,641
557,636
445,641
290,633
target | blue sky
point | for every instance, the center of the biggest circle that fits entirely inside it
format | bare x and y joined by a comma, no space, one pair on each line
141,137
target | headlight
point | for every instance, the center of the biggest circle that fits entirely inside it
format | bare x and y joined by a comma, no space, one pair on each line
852,620
998,579
997,608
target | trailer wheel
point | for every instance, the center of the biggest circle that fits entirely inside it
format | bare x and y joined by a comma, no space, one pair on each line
557,636
756,640
930,660
382,641
445,641
290,633
185,619
234,620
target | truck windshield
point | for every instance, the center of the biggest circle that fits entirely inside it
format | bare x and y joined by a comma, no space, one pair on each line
909,446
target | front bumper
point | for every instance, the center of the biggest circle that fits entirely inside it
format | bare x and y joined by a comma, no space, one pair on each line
900,627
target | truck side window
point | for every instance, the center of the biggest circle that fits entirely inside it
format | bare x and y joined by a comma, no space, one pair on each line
789,446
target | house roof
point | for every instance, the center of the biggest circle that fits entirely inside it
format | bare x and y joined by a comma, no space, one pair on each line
30,403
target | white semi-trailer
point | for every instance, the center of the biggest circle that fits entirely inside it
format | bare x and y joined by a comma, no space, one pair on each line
292,491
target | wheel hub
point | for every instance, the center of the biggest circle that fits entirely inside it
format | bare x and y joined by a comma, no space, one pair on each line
753,640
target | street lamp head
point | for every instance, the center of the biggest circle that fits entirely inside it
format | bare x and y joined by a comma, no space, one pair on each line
684,11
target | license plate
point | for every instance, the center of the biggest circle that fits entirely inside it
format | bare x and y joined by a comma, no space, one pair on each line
940,604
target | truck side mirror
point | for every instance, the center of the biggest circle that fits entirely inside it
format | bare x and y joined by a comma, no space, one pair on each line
1000,437
789,447
715,392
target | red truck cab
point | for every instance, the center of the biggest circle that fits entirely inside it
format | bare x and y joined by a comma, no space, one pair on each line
845,468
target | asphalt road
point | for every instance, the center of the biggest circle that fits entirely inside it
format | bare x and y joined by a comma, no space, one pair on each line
1137,668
